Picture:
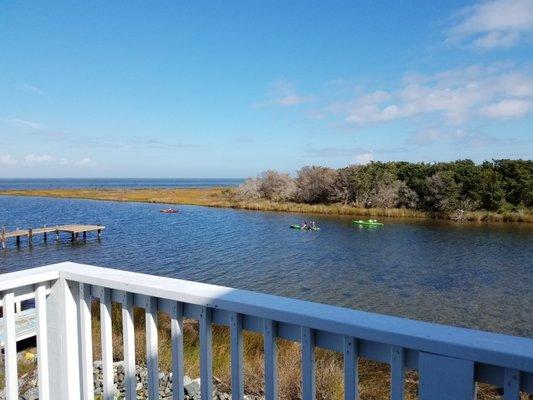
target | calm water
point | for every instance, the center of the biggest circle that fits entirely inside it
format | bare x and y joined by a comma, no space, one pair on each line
479,276
114,183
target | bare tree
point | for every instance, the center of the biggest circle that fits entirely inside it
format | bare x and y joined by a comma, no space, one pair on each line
277,186
317,185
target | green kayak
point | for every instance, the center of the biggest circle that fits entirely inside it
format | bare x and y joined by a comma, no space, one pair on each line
368,222
309,228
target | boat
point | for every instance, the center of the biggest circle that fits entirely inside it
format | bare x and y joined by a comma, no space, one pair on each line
168,211
368,222
308,228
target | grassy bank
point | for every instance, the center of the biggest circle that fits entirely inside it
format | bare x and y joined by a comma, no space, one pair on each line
374,377
221,197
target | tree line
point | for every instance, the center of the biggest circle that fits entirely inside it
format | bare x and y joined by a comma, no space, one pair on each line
498,185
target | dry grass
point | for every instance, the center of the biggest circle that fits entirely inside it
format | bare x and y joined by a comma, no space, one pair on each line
224,197
374,377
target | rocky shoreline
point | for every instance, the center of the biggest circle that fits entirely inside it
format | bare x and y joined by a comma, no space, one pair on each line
28,384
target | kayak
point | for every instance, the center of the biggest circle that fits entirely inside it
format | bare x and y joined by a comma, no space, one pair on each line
169,211
368,222
299,227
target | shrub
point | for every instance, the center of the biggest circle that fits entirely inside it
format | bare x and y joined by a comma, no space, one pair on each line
249,190
277,186
317,185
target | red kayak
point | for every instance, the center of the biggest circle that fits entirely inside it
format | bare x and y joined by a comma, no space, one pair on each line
169,211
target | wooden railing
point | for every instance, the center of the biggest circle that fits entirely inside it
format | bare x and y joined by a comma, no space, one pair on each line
449,360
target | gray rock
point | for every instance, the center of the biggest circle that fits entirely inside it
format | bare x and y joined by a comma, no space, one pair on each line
192,389
32,394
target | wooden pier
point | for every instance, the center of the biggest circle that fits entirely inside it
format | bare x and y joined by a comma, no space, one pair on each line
73,230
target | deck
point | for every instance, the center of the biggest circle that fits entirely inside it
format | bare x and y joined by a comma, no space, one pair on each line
73,229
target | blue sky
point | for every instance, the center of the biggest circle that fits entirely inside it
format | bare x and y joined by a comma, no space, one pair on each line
228,89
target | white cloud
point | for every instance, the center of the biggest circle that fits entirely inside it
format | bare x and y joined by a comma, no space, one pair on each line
84,162
356,155
283,93
454,95
493,24
364,158
32,159
43,160
7,159
32,89
26,123
508,108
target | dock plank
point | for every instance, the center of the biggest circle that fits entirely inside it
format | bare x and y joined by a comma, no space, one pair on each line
73,229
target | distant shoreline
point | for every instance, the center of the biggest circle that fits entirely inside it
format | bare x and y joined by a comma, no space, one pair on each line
223,197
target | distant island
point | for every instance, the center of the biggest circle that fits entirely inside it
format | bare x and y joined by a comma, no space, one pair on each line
497,190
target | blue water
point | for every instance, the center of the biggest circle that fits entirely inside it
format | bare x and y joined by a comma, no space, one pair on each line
466,274
97,183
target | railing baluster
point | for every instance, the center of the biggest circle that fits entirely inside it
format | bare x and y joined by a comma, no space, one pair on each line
176,333
87,384
397,373
128,335
351,377
271,359
308,363
10,349
237,376
42,342
206,354
152,358
107,344
511,384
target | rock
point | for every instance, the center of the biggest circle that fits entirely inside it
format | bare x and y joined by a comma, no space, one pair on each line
192,389
32,394
191,386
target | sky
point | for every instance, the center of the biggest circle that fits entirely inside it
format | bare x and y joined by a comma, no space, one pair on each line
218,89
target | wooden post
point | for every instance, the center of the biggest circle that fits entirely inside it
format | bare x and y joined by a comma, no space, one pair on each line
72,236
45,238
62,335
18,241
3,237
57,236
84,235
99,234
30,236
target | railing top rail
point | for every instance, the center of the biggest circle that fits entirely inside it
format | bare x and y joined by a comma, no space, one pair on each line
13,280
485,347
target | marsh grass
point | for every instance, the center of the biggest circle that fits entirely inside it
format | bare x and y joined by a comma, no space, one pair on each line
226,198
374,377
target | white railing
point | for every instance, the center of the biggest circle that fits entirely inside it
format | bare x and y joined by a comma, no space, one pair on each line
449,360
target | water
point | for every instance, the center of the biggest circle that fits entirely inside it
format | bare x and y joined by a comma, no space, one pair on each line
473,275
96,183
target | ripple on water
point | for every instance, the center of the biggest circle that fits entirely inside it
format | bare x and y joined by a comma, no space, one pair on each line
472,275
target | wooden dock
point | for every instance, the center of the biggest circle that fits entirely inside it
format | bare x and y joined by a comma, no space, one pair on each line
73,230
